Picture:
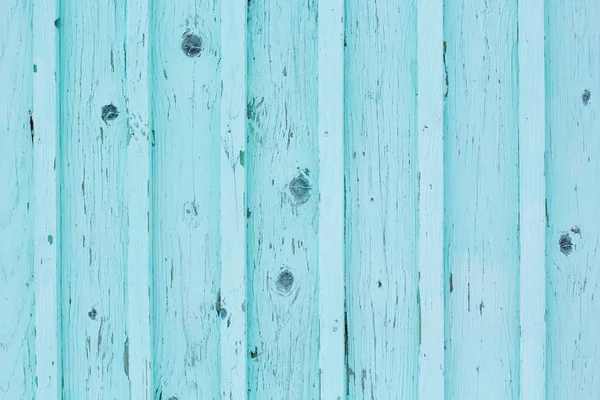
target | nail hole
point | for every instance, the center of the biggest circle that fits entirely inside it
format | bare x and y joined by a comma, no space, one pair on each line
92,314
254,353
191,45
191,214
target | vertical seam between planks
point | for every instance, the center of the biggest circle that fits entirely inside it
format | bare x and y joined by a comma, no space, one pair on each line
532,189
138,342
46,223
430,207
233,181
331,253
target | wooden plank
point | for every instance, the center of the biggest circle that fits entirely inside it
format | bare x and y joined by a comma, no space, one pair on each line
481,200
17,329
93,247
282,200
136,353
185,204
381,199
233,202
430,123
330,130
532,191
46,242
573,178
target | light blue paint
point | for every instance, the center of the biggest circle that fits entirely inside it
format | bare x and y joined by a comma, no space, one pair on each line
481,200
282,196
381,199
573,198
325,199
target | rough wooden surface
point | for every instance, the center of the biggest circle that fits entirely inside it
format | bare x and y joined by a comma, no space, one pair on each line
45,174
137,353
267,199
573,198
532,224
381,199
430,130
282,200
185,203
17,286
93,246
481,200
331,261
233,203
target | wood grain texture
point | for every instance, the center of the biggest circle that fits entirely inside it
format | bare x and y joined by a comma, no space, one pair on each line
92,156
282,200
532,190
332,383
233,202
185,205
17,287
381,199
93,210
45,200
430,114
137,351
269,199
481,200
573,178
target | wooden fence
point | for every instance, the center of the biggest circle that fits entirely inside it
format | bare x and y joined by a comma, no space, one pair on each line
299,199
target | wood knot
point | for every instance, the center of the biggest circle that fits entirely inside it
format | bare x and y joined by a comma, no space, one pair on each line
285,281
300,189
109,113
566,244
585,97
191,45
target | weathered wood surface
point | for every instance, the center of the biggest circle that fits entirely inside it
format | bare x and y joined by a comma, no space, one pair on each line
185,205
381,199
573,198
282,192
481,199
93,213
327,199
532,192
17,202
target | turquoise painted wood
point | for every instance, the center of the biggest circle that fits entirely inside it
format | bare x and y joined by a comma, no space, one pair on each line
327,199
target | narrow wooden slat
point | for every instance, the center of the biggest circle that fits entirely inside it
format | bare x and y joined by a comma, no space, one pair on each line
283,196
430,125
532,132
136,353
93,207
17,286
46,242
233,202
331,199
481,199
185,202
381,199
573,198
